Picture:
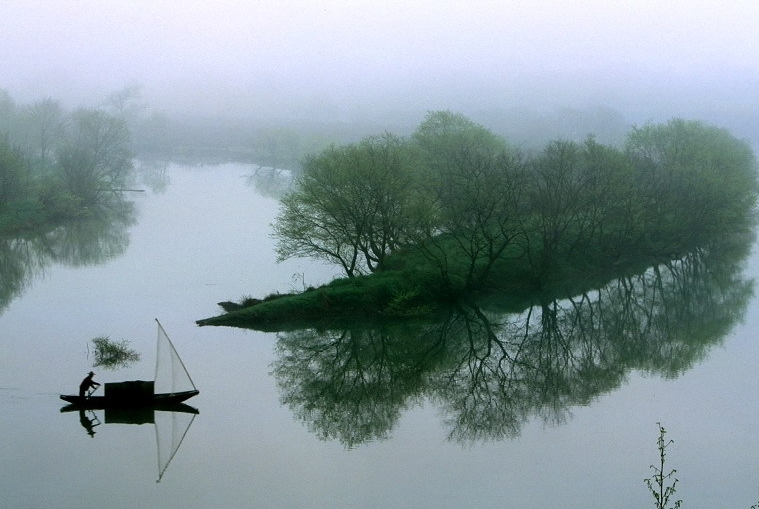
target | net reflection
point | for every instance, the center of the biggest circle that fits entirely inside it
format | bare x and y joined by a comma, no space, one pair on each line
171,423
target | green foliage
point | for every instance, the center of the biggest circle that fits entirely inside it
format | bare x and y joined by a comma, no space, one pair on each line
579,199
444,134
474,184
658,484
111,354
409,302
12,173
695,179
79,173
21,215
54,164
456,197
97,158
351,205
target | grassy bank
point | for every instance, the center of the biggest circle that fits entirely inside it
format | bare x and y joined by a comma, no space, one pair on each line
392,294
416,290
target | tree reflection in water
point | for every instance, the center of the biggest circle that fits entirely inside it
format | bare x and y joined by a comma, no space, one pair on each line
491,371
92,240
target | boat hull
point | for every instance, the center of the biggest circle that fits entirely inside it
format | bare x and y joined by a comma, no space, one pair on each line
154,400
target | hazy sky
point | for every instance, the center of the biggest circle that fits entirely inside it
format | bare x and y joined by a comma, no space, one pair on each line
238,55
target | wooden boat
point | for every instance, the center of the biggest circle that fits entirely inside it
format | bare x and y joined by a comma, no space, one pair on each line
154,400
171,379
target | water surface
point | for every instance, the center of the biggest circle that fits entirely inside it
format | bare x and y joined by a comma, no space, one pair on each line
203,238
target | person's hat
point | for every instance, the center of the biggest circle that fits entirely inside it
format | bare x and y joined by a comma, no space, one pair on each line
90,373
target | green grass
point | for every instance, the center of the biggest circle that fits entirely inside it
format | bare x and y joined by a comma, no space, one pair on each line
386,295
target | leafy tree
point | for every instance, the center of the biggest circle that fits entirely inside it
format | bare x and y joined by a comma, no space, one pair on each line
443,135
473,183
78,170
578,200
696,180
351,205
459,196
97,156
126,104
44,121
613,207
12,173
587,205
7,112
53,162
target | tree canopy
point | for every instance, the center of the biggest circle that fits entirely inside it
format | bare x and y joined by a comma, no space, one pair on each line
456,197
55,163
352,205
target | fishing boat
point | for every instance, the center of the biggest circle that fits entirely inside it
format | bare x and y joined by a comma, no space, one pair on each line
129,397
171,386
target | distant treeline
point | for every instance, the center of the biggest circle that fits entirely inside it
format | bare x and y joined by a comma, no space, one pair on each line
285,144
57,164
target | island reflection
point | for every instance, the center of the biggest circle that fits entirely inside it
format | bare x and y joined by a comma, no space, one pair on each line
490,371
100,236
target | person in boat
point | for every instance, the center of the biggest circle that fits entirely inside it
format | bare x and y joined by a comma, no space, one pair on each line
87,383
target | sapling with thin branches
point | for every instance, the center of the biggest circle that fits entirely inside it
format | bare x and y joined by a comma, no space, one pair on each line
658,484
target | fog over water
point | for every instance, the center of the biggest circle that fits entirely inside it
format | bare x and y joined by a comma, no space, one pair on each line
651,60
212,77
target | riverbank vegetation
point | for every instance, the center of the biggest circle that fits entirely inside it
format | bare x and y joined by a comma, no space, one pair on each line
56,164
454,212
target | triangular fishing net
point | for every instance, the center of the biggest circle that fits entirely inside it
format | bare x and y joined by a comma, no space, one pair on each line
170,373
170,430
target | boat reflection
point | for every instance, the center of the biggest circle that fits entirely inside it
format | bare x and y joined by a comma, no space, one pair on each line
171,422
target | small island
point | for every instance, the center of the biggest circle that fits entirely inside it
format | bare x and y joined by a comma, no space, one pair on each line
453,214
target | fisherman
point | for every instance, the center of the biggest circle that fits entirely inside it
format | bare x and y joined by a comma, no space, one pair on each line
87,383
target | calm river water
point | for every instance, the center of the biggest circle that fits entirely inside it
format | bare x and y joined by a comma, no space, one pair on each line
262,440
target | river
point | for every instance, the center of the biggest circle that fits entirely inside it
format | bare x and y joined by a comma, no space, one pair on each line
200,235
